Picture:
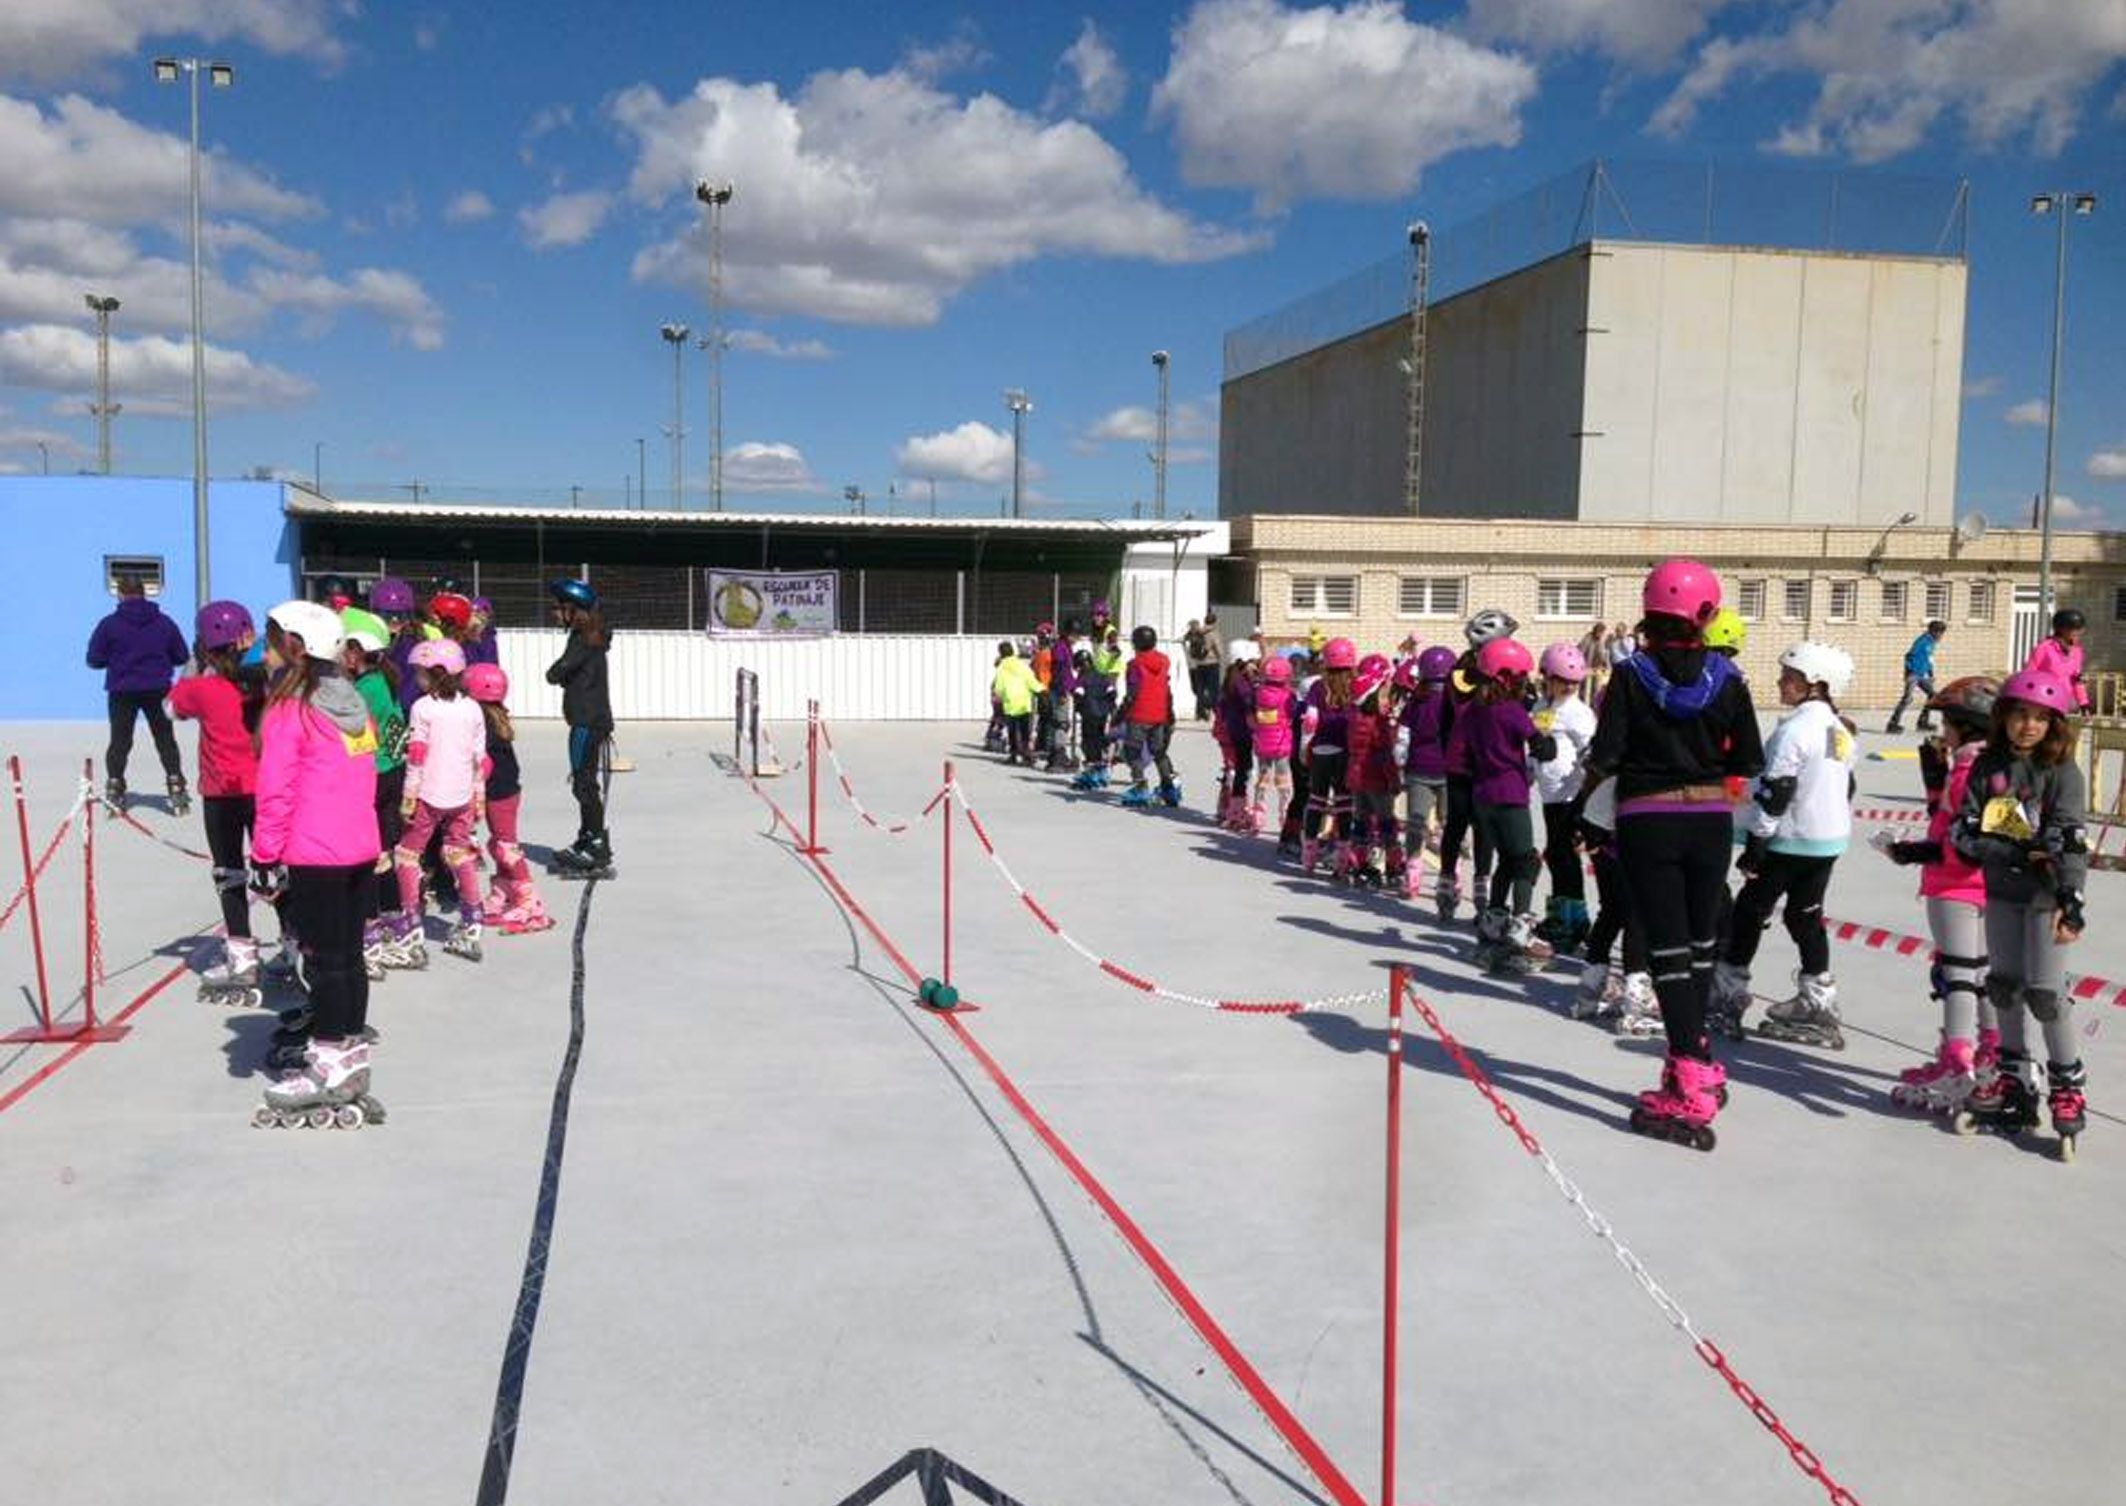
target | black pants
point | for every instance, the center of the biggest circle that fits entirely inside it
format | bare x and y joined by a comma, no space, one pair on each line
327,906
1326,796
1461,812
1561,826
1018,732
1243,769
1203,680
586,767
1803,882
1616,917
125,707
384,893
1509,831
228,822
1676,865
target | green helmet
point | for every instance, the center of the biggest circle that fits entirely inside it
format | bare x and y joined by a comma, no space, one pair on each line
1727,632
365,628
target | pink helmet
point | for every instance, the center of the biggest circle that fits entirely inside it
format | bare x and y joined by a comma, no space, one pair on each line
2037,687
1277,670
1373,672
1339,653
1682,588
487,682
1564,661
1504,657
1406,676
1376,664
438,653
1435,663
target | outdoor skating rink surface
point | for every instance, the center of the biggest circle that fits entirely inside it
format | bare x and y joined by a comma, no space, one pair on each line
800,1230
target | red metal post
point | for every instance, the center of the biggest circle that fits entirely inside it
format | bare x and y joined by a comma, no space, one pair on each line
812,847
946,811
29,885
1392,1259
88,900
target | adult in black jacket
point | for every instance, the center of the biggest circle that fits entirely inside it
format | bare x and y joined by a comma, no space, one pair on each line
588,709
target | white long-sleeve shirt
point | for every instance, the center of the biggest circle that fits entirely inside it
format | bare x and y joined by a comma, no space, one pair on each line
446,745
1572,723
1814,748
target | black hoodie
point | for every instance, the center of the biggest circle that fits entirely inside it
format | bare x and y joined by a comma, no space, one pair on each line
1704,733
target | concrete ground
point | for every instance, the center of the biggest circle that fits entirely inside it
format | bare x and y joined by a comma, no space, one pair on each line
797,1229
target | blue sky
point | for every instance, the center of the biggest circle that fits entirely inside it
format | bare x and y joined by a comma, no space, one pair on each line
443,238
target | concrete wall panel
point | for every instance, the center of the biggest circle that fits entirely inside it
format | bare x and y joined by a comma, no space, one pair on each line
1831,400
1764,344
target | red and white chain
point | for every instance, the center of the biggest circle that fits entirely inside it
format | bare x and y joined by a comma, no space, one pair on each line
892,826
44,859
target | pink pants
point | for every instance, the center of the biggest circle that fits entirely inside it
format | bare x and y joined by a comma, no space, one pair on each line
511,871
461,855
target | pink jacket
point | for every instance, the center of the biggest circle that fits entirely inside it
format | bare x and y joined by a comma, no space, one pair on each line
316,785
2056,658
1953,877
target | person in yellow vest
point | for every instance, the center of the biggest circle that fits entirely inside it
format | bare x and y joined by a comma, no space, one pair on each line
1016,689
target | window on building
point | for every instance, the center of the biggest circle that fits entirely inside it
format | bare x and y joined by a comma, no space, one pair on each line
1795,607
1576,600
1749,600
1895,594
1845,600
1981,608
1324,596
146,568
1429,596
1937,601
2118,603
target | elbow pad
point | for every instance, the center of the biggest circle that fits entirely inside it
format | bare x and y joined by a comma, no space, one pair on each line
417,754
1543,747
1775,795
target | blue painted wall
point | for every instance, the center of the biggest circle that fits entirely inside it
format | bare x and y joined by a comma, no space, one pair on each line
58,530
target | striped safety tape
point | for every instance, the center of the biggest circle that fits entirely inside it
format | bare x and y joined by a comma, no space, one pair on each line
1883,814
892,826
2085,987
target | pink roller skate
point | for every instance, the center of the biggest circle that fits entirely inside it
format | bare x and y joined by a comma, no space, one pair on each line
1683,1107
1941,1086
526,914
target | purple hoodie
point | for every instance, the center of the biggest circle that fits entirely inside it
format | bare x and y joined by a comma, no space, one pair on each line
1428,754
136,647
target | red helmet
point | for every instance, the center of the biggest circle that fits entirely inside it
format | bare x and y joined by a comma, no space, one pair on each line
1682,588
450,609
1502,658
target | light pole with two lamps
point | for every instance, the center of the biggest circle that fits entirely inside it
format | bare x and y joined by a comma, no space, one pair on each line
2057,204
1020,405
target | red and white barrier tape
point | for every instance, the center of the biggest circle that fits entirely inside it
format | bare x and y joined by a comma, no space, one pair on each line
1134,980
43,862
89,792
1880,939
1714,1357
1882,814
892,826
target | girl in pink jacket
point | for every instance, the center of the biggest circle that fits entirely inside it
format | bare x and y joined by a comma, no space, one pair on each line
446,776
314,840
1955,893
2061,654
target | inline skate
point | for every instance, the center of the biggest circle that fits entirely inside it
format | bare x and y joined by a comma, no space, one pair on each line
180,794
1682,1109
1137,796
330,1090
236,981
1728,1001
1447,898
284,964
1492,943
1169,793
2067,1105
464,938
1635,1011
1090,778
1941,1086
2004,1104
590,858
406,944
1810,1017
114,793
1599,984
1524,952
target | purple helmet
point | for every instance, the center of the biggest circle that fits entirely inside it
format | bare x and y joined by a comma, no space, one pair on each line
222,624
1435,664
391,597
483,606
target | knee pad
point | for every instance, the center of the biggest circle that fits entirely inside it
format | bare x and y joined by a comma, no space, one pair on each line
383,860
458,857
508,854
406,859
2004,994
2044,1003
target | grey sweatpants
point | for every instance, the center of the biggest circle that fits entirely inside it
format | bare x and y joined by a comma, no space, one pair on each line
2027,968
1959,932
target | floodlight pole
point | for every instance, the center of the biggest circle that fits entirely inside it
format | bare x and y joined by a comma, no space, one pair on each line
1020,405
2059,205
675,335
715,196
1159,362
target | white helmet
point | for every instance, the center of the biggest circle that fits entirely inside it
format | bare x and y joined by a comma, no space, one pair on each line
315,623
1489,624
1822,664
1246,651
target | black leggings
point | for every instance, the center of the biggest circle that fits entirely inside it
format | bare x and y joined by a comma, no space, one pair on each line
1461,814
1616,917
1803,881
1676,865
1561,854
586,767
126,706
1508,831
327,906
227,819
384,893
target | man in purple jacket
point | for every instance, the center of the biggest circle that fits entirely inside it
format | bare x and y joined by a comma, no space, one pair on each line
137,648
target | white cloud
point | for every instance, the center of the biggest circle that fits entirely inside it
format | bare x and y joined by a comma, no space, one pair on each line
52,39
962,52
2109,465
1091,80
972,452
151,375
773,467
2029,414
1188,420
874,198
1985,386
2066,510
467,207
760,343
1642,34
1888,72
566,219
1347,102
396,298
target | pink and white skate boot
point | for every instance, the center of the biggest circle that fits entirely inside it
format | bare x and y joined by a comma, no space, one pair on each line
526,915
1682,1109
1941,1086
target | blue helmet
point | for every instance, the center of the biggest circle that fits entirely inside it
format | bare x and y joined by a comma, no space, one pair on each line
575,593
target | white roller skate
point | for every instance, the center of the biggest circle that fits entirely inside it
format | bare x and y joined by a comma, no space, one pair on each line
464,938
406,946
235,981
1635,1012
1597,982
1728,1001
1525,952
376,936
1810,1017
329,1091
1492,945
1941,1086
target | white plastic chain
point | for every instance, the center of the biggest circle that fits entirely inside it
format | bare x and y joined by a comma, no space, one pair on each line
892,826
1337,1002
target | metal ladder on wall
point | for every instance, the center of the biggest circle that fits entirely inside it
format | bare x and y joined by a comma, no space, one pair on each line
1414,363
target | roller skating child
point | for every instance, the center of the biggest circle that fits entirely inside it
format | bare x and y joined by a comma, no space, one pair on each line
367,660
446,749
1372,851
1955,894
1063,694
1675,723
1096,708
513,905
1420,739
1014,691
1230,725
1485,627
1571,722
1502,738
1271,711
2021,822
587,707
315,842
1797,822
1147,718
1324,742
223,700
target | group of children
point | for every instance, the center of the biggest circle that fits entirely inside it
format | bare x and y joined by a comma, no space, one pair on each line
1654,786
1073,699
348,757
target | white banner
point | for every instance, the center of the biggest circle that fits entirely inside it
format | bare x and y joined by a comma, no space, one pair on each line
761,604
